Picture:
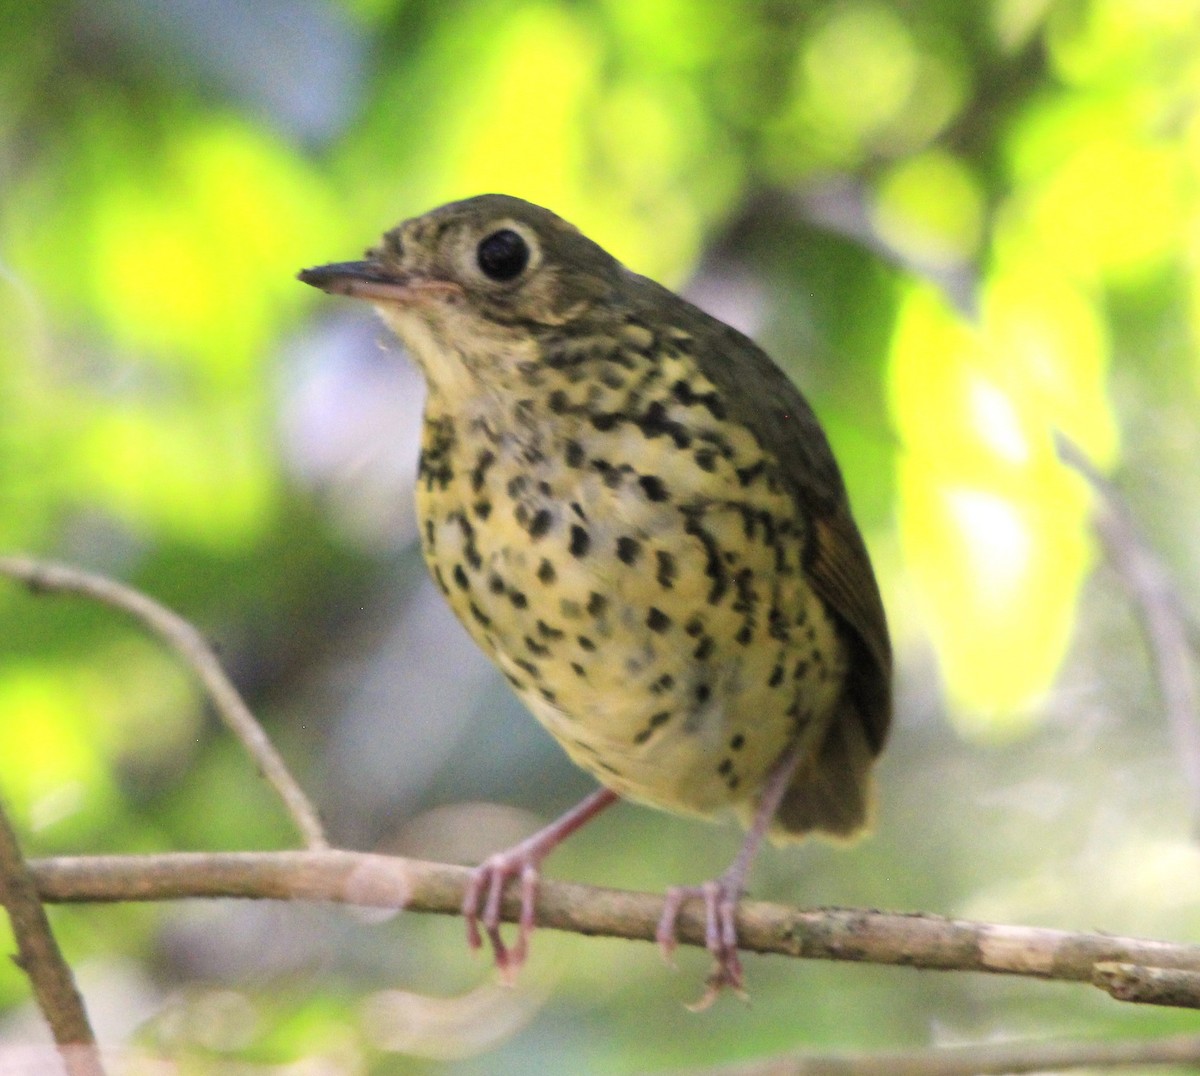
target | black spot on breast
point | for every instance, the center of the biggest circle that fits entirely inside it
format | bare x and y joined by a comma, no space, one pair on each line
578,669
628,550
482,462
480,616
653,422
726,767
460,577
585,643
606,420
683,392
562,356
517,597
657,620
580,541
776,676
540,523
470,550
746,599
703,693
663,684
801,670
653,487
744,635
529,667
656,721
517,486
706,459
747,475
737,742
704,648
534,647
547,632
440,580
433,463
666,569
546,572
687,396
495,583
613,476
482,509
597,604
574,454
558,401
714,566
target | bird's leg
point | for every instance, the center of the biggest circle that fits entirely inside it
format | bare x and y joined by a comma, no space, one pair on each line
522,860
721,895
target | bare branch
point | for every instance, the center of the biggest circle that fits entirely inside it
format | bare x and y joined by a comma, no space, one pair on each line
191,646
41,959
1153,594
1148,986
913,940
985,1059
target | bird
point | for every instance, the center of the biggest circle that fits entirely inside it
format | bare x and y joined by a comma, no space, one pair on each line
639,519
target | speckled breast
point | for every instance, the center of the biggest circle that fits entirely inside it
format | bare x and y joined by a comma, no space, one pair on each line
631,560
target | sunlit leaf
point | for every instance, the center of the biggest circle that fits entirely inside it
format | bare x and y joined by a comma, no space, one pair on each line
994,526
44,724
930,208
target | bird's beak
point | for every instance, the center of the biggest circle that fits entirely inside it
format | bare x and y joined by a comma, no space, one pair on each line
374,282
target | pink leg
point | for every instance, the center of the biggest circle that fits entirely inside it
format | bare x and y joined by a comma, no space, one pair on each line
721,895
522,860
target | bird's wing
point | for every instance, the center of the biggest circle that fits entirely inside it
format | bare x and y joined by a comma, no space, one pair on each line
760,396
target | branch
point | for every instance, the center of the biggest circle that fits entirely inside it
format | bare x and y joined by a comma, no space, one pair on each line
1148,584
985,1059
191,646
907,940
41,959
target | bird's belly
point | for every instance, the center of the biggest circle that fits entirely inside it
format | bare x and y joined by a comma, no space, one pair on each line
674,654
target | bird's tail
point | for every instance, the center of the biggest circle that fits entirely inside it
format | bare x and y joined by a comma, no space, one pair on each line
832,791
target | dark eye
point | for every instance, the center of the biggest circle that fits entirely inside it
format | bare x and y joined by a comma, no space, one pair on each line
502,255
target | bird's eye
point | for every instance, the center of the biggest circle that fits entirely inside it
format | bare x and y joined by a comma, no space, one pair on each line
502,255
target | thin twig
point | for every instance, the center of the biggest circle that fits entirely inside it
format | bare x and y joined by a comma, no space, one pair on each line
982,1059
191,646
1165,624
41,959
908,940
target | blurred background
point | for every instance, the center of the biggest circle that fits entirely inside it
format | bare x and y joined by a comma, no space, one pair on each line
958,224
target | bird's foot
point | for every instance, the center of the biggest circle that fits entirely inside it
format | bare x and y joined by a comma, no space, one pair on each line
481,905
484,894
720,933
